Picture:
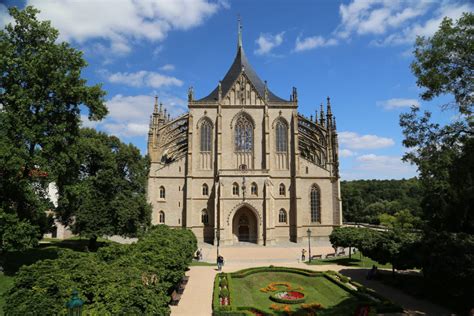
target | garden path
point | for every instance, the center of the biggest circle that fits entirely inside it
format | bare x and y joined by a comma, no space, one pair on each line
197,297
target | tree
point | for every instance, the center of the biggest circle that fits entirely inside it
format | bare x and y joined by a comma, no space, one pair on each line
444,63
41,92
444,156
104,191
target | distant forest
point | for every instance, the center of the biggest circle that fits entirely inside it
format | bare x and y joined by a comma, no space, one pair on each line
386,202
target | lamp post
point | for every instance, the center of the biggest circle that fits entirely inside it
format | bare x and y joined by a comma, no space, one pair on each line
218,240
74,306
309,243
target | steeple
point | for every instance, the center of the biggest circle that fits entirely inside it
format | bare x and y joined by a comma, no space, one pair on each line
155,108
239,65
239,32
321,117
329,112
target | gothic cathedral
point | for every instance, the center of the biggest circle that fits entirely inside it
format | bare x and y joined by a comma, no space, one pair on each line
244,166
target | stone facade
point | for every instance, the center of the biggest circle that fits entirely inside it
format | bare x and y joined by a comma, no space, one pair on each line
244,165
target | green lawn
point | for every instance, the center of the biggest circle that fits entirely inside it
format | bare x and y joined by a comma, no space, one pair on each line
357,260
201,263
336,300
6,283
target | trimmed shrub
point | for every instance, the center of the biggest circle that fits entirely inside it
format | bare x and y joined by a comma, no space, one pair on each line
118,279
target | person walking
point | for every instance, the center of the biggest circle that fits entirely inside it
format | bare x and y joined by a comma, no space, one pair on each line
303,254
220,263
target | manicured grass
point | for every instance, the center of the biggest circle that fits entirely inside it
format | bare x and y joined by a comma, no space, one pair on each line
336,300
6,282
357,260
201,263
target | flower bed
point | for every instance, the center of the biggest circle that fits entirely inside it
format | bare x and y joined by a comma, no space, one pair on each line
288,297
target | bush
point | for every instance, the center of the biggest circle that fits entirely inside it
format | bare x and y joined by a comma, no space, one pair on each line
118,279
223,282
224,293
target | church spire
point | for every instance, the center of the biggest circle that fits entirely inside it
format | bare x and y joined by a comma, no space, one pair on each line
239,32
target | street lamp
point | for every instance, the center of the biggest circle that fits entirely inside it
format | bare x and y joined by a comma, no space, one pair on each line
217,240
309,243
74,306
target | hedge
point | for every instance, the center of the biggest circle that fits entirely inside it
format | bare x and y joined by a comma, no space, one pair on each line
118,279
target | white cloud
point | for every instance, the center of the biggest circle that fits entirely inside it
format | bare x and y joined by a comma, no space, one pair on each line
313,42
144,78
428,28
88,123
120,22
346,153
129,115
397,103
167,67
5,17
379,167
267,42
377,16
353,140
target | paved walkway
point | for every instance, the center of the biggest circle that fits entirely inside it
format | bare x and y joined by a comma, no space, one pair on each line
197,297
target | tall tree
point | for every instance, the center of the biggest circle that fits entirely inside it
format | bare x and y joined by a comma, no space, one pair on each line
444,156
107,193
41,92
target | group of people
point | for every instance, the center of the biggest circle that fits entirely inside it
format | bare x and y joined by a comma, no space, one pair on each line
220,259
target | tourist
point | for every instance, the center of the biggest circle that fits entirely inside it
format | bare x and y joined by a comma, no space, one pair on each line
303,256
220,262
198,255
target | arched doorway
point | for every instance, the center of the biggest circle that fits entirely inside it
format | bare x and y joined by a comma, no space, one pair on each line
245,225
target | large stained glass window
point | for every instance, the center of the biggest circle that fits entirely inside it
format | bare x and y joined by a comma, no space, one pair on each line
243,135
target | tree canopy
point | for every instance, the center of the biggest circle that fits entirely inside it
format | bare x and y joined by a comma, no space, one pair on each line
104,190
41,92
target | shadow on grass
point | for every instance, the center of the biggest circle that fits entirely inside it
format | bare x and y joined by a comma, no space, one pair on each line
13,261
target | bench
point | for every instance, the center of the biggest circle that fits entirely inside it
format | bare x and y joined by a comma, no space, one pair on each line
316,257
330,255
175,297
342,253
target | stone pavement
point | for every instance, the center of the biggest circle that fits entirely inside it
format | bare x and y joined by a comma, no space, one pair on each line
197,297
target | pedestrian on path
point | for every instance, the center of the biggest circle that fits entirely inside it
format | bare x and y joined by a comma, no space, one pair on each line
303,254
220,262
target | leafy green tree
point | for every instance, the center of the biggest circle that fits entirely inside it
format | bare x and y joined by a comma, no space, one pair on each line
444,63
107,193
16,234
41,91
444,156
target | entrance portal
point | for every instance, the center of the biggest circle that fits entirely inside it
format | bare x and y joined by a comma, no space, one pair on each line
244,225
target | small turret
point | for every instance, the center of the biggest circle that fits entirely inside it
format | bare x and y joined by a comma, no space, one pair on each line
190,94
329,113
294,95
155,107
266,92
219,94
321,116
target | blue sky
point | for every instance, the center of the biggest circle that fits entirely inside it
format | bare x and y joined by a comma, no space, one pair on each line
356,52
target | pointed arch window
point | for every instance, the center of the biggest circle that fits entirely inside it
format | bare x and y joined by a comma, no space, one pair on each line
282,189
205,190
162,217
235,189
206,135
315,204
253,189
204,217
243,134
281,137
162,192
282,216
